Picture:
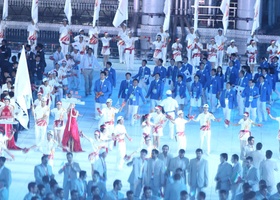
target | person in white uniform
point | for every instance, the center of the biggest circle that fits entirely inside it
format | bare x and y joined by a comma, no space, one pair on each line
196,52
212,53
252,55
129,50
119,135
170,107
121,44
220,41
32,30
93,40
64,37
190,43
165,40
205,126
158,48
105,51
232,48
59,114
177,50
272,51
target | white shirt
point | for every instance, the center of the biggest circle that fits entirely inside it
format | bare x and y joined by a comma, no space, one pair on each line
158,45
231,50
108,114
64,33
120,131
169,104
245,125
89,62
177,47
190,40
164,36
129,42
205,119
180,124
105,41
32,30
41,111
81,46
58,114
220,40
251,49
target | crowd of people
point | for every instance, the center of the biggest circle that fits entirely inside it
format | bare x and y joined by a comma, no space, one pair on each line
196,80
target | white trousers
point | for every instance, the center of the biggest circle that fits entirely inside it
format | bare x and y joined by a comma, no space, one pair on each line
64,48
163,51
189,53
129,59
220,56
121,154
121,52
262,114
206,134
40,134
171,125
182,142
132,110
95,49
240,103
253,112
227,112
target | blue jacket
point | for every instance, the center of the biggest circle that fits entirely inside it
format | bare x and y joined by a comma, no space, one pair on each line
141,75
248,75
196,89
222,79
124,88
214,83
155,90
105,88
268,81
181,72
231,75
161,71
248,93
242,82
231,96
171,73
181,87
264,64
236,64
133,95
203,77
264,92
208,66
256,78
112,77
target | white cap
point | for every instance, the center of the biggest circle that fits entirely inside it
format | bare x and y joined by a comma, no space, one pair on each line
220,29
232,41
77,48
180,112
205,106
45,79
168,92
44,99
109,101
81,30
119,118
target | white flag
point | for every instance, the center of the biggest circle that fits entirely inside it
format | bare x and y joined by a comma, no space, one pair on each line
5,9
34,11
23,94
68,10
167,12
96,12
225,10
195,25
256,22
122,13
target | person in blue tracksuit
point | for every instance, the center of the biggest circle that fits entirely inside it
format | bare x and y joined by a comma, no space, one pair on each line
111,74
102,91
203,79
267,79
189,71
196,92
143,76
159,69
214,89
155,91
231,73
228,101
264,97
133,96
236,62
247,71
170,74
257,76
221,75
179,92
125,84
240,84
251,95
264,63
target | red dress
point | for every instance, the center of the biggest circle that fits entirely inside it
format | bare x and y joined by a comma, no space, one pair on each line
72,133
7,114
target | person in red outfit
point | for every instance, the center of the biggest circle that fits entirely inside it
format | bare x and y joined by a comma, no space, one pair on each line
7,117
71,136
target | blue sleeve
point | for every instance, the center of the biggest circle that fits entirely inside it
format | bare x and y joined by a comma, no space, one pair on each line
114,78
150,89
120,90
141,95
109,91
161,89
